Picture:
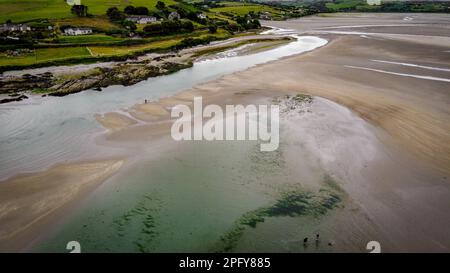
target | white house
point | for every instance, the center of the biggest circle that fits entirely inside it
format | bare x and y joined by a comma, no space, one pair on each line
201,16
141,19
73,2
15,27
77,31
374,2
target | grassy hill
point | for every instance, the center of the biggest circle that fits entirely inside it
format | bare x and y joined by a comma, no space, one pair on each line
25,10
239,8
112,39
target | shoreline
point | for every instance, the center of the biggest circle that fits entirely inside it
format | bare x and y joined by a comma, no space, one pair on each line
30,201
73,79
413,168
22,239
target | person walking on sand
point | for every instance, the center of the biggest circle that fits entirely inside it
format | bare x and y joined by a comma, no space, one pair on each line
145,101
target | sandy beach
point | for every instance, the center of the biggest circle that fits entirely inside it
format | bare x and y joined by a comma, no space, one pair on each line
378,126
29,201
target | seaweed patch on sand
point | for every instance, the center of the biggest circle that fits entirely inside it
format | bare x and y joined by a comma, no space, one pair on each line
298,103
143,216
294,203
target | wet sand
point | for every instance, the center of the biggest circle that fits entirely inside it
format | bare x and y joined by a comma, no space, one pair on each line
402,193
28,202
394,168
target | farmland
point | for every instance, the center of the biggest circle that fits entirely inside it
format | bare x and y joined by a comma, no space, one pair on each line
242,8
26,10
110,38
96,38
78,54
45,55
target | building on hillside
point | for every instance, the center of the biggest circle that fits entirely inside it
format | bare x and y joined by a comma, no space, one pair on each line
73,2
14,28
77,31
374,2
138,19
201,16
174,16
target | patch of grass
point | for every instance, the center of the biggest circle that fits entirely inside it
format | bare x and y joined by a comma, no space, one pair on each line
100,6
302,98
344,4
47,54
294,203
124,50
101,22
17,60
43,55
26,10
74,76
245,9
82,54
85,39
166,43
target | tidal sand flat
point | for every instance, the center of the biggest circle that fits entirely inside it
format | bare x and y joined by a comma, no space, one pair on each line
72,126
223,196
364,149
26,200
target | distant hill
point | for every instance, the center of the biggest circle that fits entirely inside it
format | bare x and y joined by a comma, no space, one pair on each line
25,10
366,6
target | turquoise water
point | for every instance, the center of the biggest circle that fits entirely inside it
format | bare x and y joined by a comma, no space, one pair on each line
183,201
188,199
194,196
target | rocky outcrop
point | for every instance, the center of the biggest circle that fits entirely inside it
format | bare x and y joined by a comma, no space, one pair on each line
124,74
26,82
16,98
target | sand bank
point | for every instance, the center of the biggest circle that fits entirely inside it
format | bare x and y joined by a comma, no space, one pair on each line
393,162
29,201
398,186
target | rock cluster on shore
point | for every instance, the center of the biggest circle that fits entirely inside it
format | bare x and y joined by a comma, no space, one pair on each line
123,74
13,85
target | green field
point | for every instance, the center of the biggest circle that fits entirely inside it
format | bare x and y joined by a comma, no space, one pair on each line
85,39
101,51
347,4
44,55
98,46
243,9
25,10
101,23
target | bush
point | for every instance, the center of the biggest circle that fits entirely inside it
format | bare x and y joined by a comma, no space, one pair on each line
212,28
141,11
114,14
187,26
169,27
153,28
129,10
191,42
